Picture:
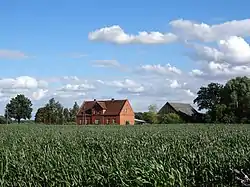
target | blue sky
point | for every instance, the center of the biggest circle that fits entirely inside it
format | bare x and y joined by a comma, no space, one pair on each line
48,40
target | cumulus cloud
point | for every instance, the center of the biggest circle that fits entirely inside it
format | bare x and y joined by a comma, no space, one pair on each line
127,86
231,58
115,34
160,69
191,30
22,82
234,50
77,87
105,63
39,94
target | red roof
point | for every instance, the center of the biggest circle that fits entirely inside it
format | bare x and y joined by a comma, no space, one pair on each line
112,107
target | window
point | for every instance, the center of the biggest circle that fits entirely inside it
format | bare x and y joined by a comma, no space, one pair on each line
108,120
125,110
80,121
97,121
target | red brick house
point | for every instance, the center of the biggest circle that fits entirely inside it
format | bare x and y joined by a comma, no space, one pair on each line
105,112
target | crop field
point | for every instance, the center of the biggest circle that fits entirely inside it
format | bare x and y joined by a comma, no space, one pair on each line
146,155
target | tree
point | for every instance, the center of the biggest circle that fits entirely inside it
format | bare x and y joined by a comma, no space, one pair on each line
226,104
19,107
3,120
152,108
237,97
151,115
209,96
139,115
40,116
73,112
170,118
66,115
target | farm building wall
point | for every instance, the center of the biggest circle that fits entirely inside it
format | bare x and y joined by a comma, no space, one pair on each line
127,114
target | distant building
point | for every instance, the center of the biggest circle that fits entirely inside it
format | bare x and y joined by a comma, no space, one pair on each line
106,112
184,110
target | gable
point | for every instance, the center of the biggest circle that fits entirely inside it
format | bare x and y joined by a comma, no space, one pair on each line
167,108
178,107
127,109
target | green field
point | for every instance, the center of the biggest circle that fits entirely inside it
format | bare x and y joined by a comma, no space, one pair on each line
149,155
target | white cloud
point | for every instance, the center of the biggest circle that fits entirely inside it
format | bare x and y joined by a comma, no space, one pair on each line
77,87
126,86
71,78
39,94
214,70
115,34
234,50
22,82
105,63
12,54
231,58
189,93
188,29
159,69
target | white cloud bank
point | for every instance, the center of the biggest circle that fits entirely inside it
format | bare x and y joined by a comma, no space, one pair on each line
191,30
115,34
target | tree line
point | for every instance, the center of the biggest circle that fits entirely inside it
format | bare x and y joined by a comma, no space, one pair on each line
228,103
20,108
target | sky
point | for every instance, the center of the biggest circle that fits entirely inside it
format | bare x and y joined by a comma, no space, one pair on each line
150,52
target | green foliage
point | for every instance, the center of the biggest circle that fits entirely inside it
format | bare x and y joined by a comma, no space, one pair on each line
139,115
170,118
19,107
153,155
152,108
150,117
226,104
54,113
3,120
73,112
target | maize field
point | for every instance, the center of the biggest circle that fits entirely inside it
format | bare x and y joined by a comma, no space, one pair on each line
143,155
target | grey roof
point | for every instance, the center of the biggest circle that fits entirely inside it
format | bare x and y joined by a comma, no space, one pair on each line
184,108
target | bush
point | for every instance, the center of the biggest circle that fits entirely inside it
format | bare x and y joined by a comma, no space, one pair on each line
3,120
170,118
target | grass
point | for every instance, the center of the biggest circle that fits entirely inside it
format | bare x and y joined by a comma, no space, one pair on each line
147,155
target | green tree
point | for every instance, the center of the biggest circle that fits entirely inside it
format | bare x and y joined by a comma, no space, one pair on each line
139,115
152,108
19,107
209,98
73,112
51,113
170,118
236,96
40,116
151,115
3,120
66,115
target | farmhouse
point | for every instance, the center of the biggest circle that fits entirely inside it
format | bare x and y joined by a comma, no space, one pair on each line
105,112
184,110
